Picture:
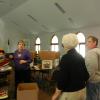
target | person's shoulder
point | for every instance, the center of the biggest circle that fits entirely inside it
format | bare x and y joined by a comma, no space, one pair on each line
15,51
65,56
95,50
26,50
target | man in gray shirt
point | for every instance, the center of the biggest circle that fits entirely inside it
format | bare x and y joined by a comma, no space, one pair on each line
93,66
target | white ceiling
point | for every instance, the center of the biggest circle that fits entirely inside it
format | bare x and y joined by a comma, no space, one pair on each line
50,15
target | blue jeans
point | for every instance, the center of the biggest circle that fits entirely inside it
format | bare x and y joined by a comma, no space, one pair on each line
93,91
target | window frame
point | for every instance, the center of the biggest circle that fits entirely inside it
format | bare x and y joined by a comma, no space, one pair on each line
54,46
37,45
80,44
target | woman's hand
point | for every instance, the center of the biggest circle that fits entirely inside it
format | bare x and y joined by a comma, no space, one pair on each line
22,61
56,94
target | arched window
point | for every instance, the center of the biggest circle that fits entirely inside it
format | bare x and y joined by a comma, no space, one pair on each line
54,43
81,46
37,44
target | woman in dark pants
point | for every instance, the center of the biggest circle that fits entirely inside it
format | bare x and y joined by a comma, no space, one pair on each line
22,60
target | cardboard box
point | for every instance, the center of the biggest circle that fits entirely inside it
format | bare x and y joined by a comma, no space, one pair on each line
27,91
49,55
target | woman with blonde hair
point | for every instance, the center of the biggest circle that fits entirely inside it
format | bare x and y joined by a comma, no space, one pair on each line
72,76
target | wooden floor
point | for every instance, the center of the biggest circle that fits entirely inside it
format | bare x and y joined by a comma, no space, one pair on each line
44,96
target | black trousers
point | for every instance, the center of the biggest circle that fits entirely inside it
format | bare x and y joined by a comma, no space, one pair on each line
22,76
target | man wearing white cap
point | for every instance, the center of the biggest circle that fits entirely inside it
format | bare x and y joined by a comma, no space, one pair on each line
72,76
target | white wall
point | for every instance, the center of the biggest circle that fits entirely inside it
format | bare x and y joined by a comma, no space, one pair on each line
46,37
11,33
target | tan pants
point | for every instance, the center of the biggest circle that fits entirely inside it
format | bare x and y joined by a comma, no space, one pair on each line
78,95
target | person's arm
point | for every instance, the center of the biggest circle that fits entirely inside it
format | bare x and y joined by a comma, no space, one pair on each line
91,61
56,94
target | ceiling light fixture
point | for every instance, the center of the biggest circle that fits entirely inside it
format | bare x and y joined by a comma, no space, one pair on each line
31,17
60,8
